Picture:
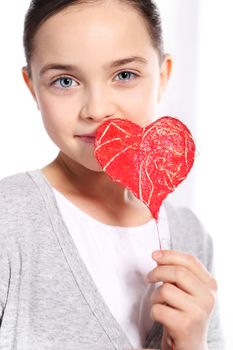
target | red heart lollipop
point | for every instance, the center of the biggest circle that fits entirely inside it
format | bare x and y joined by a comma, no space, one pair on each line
151,162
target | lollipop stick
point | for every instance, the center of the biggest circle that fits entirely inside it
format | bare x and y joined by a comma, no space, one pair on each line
161,248
158,234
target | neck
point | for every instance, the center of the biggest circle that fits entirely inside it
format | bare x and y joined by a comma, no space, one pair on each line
68,176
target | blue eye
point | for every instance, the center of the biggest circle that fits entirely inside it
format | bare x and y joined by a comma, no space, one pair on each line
64,82
125,76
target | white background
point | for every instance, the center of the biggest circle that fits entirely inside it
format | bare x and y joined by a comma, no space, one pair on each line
198,34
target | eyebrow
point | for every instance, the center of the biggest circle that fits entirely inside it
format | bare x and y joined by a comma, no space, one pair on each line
113,64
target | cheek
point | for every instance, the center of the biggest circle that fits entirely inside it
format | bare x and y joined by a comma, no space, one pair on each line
57,113
141,105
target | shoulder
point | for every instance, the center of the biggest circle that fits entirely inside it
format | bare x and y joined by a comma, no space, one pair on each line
16,191
20,202
189,235
15,186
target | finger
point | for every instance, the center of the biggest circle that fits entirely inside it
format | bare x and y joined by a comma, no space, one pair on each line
180,276
169,294
166,340
167,316
172,257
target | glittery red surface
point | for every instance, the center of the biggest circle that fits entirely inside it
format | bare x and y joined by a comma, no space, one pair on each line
151,162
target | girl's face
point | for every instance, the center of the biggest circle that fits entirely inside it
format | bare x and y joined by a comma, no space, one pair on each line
91,63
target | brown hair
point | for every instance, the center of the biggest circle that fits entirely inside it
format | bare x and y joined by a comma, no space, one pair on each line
40,10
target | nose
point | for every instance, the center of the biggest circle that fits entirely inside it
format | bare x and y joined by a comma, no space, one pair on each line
98,106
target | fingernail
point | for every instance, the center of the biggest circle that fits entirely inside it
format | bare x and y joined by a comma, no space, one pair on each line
157,254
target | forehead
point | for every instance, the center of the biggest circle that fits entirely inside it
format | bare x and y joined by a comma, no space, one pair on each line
108,27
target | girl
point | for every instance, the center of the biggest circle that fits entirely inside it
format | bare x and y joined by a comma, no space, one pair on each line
76,268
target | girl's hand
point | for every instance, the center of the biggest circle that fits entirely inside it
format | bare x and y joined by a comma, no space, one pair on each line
185,300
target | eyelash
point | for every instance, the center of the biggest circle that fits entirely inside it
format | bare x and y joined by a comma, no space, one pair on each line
69,78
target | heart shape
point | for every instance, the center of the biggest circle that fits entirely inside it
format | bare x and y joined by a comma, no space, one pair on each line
151,162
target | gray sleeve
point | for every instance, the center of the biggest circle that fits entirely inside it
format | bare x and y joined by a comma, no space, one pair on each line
4,280
205,252
216,339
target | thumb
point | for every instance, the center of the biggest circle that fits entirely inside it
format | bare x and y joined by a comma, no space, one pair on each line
166,340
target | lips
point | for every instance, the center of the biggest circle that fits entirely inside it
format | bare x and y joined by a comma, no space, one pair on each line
87,138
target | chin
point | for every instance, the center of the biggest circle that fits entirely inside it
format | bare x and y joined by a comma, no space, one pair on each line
87,161
96,168
93,166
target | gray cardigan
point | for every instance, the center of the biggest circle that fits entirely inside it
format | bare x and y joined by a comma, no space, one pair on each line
48,300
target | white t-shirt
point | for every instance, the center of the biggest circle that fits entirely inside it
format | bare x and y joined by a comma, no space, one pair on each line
118,259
